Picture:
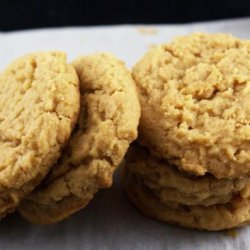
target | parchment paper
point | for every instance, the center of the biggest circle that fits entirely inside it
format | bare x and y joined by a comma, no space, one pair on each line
110,221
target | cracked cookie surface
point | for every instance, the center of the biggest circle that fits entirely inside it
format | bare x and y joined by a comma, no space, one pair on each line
194,94
107,124
39,105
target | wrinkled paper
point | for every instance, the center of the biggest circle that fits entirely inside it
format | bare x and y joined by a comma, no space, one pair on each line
110,221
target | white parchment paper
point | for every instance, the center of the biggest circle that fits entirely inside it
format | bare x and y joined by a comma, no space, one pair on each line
110,221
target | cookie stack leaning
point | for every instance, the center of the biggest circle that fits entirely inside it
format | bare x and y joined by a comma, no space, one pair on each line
106,125
191,163
64,129
39,105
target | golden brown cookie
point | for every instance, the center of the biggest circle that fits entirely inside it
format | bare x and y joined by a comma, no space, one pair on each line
107,124
175,187
39,104
216,217
195,96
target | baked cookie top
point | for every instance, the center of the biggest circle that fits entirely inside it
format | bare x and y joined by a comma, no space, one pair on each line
39,104
194,94
107,124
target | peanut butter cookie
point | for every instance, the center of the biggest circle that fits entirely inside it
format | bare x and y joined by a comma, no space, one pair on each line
195,96
235,213
175,187
109,116
39,105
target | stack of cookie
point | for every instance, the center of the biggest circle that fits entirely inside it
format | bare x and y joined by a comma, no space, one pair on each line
191,163
72,123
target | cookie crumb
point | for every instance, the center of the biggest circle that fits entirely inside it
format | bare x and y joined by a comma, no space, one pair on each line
152,46
147,31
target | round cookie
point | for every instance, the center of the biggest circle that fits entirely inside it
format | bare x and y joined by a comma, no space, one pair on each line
39,105
194,94
216,217
176,187
109,116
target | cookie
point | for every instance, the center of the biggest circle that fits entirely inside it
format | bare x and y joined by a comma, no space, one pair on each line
39,105
175,187
194,94
235,213
109,116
